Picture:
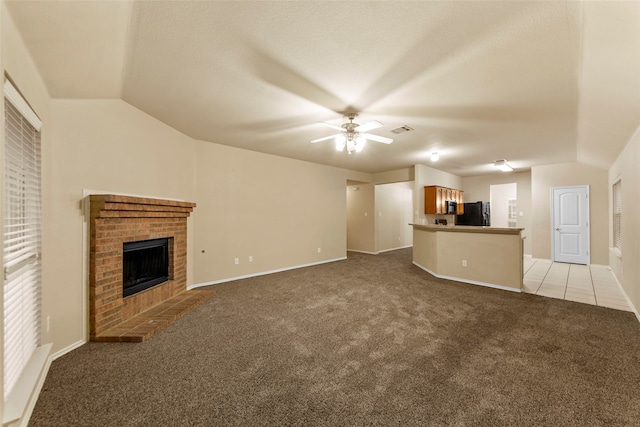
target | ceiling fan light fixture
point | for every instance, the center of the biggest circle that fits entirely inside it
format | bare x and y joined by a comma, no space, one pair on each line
353,136
351,145
503,165
435,156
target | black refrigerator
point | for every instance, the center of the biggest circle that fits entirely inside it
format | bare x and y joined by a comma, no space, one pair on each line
477,213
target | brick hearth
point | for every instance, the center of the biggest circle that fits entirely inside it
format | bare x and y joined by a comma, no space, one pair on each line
116,220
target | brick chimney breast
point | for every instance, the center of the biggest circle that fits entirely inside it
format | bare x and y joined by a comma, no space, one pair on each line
115,220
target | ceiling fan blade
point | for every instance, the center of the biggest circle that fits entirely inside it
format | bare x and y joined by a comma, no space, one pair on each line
368,126
323,139
340,128
382,139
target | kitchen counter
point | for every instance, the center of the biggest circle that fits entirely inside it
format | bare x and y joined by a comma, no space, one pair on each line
486,256
469,228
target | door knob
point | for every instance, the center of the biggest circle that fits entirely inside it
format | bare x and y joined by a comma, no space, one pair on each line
557,229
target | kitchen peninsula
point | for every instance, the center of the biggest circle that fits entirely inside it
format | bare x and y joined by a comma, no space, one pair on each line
487,256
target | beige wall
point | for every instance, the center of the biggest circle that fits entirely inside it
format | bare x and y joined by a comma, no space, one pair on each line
424,175
393,208
543,179
626,266
105,146
492,258
378,216
361,220
478,188
277,210
399,175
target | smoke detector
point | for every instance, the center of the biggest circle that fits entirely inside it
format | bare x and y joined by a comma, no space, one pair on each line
401,129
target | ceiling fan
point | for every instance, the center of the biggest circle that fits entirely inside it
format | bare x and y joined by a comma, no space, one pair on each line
352,135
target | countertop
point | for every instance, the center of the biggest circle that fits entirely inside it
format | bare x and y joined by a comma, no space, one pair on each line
468,228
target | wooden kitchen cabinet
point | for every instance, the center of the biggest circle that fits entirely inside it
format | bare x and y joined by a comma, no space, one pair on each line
435,198
460,201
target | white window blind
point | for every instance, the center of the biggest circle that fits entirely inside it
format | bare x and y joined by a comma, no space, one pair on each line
21,236
617,215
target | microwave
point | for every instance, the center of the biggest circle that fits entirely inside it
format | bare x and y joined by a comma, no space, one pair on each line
452,207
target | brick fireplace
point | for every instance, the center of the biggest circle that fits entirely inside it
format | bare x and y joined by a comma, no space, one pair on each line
116,220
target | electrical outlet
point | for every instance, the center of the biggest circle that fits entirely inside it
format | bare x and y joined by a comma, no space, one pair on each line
319,250
250,258
237,261
464,262
48,323
365,214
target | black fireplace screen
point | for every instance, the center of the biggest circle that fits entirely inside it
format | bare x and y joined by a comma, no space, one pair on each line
144,264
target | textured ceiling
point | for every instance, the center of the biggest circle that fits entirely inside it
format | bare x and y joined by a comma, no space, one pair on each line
532,82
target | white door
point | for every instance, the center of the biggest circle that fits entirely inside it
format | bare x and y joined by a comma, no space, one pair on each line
571,224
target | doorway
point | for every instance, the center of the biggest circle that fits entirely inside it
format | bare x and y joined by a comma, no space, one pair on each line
504,202
570,224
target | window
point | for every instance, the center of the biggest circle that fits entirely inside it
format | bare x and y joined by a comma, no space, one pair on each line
617,215
21,235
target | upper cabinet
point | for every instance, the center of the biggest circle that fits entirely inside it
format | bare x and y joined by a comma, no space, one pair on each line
436,198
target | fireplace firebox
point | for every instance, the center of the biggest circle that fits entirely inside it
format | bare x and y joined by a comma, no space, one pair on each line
144,264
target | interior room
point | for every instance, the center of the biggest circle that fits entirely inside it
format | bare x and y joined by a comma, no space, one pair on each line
295,140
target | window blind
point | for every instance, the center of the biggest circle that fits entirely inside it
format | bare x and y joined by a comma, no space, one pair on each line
617,215
21,236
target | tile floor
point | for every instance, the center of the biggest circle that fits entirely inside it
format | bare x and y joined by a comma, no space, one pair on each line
594,284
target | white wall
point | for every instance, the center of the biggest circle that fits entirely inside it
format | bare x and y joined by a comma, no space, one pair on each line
626,266
500,196
393,209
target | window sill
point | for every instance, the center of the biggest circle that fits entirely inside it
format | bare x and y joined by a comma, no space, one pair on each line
26,388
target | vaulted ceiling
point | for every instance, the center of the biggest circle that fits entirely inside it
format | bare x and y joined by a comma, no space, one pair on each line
531,82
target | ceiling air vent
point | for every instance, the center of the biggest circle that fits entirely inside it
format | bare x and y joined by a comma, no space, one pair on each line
401,129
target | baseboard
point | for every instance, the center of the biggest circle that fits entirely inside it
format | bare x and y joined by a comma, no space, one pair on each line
379,252
395,249
67,349
633,307
262,273
472,282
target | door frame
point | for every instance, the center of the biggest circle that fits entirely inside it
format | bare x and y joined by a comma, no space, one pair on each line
553,226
